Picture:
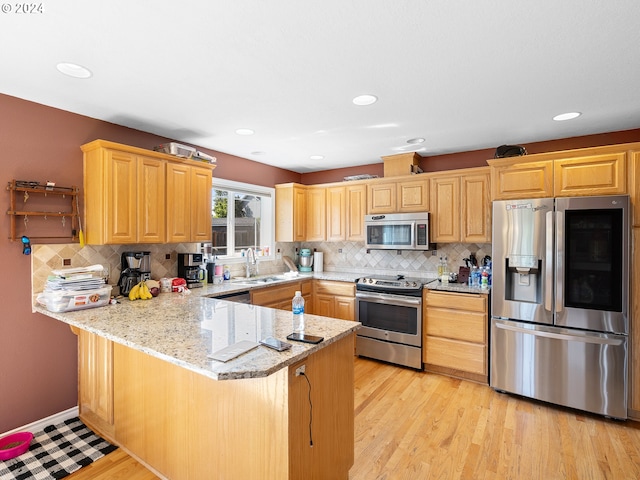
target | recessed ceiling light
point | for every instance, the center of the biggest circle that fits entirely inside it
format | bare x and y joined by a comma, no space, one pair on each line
316,157
415,140
365,99
244,131
566,116
73,70
258,153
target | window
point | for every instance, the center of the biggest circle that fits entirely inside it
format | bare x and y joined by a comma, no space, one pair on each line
242,216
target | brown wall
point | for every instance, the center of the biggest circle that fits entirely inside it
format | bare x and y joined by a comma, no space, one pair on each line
477,158
38,367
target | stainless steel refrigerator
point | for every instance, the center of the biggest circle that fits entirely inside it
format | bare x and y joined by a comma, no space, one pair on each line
560,301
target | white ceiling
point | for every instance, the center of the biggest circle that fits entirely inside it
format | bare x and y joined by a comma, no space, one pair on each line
464,75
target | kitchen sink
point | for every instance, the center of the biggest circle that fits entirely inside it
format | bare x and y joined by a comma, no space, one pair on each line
258,281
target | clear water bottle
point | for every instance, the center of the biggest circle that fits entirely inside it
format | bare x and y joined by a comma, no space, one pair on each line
297,306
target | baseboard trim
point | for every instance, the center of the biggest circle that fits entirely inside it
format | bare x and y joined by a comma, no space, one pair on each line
39,425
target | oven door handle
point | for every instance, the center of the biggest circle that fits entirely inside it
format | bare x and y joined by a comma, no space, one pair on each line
389,299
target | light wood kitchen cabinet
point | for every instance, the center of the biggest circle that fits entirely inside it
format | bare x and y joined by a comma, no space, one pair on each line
336,213
95,381
291,215
316,214
634,185
513,178
356,207
634,336
461,207
334,299
126,198
572,173
190,220
280,296
604,174
188,426
455,330
400,196
346,207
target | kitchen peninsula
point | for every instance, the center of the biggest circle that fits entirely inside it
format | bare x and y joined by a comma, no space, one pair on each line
147,384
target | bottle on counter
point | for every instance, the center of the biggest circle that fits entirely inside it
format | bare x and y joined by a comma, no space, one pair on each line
444,277
484,279
475,276
440,269
297,306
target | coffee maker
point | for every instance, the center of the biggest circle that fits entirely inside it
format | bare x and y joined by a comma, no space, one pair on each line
189,269
135,267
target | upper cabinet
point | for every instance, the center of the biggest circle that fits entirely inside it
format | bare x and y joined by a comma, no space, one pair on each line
461,206
634,185
291,203
316,214
593,171
329,212
591,175
129,195
513,178
188,221
402,195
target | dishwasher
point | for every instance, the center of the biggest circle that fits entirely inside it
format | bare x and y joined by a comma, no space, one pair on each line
239,297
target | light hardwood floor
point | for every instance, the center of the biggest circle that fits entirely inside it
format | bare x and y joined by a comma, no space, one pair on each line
412,425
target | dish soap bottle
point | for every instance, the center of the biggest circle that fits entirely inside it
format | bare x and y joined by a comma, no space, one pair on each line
297,306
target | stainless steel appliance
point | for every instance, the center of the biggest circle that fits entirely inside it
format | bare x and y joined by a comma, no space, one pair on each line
189,268
134,268
560,301
397,231
390,310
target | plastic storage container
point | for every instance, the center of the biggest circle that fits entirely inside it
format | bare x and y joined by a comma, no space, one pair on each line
69,300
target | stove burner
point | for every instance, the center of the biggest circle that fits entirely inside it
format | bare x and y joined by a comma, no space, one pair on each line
397,284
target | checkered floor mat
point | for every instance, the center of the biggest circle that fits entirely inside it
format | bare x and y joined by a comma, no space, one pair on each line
56,452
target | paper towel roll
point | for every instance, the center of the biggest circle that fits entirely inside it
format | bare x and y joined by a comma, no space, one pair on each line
317,261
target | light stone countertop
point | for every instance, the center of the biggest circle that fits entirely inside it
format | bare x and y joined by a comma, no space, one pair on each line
184,329
455,287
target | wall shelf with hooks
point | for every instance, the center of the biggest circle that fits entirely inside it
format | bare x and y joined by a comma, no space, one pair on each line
24,189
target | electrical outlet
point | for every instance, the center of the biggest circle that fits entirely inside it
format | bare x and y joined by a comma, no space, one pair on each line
300,370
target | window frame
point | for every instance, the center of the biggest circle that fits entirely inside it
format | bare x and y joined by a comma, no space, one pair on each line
268,218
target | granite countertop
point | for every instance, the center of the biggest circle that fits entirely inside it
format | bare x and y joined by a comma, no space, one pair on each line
456,287
184,329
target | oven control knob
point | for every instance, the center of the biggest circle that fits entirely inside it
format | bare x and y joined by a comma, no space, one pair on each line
371,280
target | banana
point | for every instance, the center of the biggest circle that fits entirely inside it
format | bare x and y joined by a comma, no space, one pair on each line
145,293
134,293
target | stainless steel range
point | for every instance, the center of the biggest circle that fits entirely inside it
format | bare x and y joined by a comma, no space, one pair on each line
390,310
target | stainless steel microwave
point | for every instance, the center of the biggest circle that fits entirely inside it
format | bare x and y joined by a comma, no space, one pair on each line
397,231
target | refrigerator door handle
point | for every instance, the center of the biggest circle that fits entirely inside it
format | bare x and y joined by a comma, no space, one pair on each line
540,332
559,252
548,258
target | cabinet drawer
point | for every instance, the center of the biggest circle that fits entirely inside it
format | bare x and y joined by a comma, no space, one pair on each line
468,357
330,287
470,327
457,301
274,295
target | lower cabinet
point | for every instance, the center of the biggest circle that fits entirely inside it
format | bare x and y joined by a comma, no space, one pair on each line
280,296
334,299
455,334
95,382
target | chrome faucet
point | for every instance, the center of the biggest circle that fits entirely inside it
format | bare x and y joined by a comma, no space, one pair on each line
251,260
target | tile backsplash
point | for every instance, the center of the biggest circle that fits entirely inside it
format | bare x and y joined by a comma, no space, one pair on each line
341,257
